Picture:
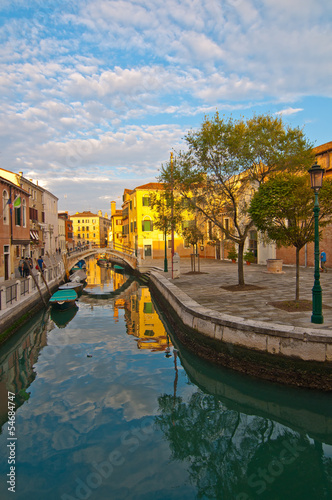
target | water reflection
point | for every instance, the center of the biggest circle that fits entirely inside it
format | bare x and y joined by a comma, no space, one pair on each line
63,318
143,321
17,359
110,381
238,446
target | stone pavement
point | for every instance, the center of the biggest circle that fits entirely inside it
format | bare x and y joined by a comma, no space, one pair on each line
206,289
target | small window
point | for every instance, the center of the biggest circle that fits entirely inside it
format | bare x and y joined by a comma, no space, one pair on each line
147,225
146,201
149,333
148,308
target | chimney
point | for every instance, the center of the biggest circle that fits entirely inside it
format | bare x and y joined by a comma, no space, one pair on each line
113,207
20,174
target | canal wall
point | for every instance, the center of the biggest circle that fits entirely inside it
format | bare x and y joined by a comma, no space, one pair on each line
21,299
286,354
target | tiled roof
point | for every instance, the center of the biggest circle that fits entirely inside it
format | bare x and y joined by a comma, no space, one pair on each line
151,185
323,148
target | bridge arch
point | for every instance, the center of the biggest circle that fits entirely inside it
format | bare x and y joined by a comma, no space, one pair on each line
118,256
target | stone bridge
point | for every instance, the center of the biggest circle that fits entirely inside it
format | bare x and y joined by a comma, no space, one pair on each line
122,257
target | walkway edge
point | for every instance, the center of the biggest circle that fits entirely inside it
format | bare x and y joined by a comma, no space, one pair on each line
282,342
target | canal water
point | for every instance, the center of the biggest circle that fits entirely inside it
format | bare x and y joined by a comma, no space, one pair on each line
109,406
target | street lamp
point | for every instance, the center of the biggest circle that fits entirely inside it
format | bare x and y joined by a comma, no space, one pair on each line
316,179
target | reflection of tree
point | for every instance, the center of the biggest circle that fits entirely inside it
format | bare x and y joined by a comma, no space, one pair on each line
230,453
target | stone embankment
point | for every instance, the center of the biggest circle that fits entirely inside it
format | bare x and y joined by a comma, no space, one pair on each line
282,353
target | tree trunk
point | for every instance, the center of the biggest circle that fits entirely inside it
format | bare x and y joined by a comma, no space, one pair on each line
297,274
240,263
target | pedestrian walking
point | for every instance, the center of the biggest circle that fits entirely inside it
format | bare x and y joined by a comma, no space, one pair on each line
21,267
26,268
41,264
323,262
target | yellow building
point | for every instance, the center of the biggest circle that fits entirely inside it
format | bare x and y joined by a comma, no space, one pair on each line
116,226
90,228
139,232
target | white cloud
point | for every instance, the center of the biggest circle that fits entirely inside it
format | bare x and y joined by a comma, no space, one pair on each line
94,88
289,111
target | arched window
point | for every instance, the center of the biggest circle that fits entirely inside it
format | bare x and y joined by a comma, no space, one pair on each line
24,213
147,224
5,207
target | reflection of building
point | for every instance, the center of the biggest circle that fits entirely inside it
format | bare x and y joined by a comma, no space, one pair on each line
145,323
16,366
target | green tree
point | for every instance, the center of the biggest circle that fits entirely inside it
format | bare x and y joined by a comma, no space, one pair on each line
283,209
225,163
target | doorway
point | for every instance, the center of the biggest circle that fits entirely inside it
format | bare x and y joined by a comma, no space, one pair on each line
6,261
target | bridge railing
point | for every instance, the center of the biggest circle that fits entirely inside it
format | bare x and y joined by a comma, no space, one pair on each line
123,248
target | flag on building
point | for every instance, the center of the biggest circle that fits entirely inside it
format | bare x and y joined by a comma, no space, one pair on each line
17,202
10,203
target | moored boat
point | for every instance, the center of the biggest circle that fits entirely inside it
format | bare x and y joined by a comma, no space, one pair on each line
119,269
78,276
74,285
63,299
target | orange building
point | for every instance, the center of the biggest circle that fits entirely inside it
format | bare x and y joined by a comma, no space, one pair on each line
14,228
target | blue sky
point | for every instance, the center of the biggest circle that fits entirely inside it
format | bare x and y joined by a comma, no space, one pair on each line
94,94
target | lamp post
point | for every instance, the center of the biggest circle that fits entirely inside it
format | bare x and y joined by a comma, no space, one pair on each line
316,179
165,259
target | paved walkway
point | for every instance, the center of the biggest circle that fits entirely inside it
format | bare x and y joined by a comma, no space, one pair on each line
206,289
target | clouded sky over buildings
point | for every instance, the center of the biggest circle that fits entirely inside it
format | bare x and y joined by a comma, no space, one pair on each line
94,94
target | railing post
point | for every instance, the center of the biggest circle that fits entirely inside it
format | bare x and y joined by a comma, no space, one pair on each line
3,297
18,290
29,284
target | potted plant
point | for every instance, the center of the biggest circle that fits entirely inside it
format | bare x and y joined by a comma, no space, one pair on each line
249,257
232,254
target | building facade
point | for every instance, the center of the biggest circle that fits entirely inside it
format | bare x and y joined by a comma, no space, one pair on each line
69,235
139,231
14,228
90,228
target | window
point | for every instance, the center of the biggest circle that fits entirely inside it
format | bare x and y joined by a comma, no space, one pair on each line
83,228
149,333
148,308
33,214
78,229
17,249
17,216
147,225
5,207
79,222
24,213
94,235
79,236
188,223
146,201
43,216
87,228
131,205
